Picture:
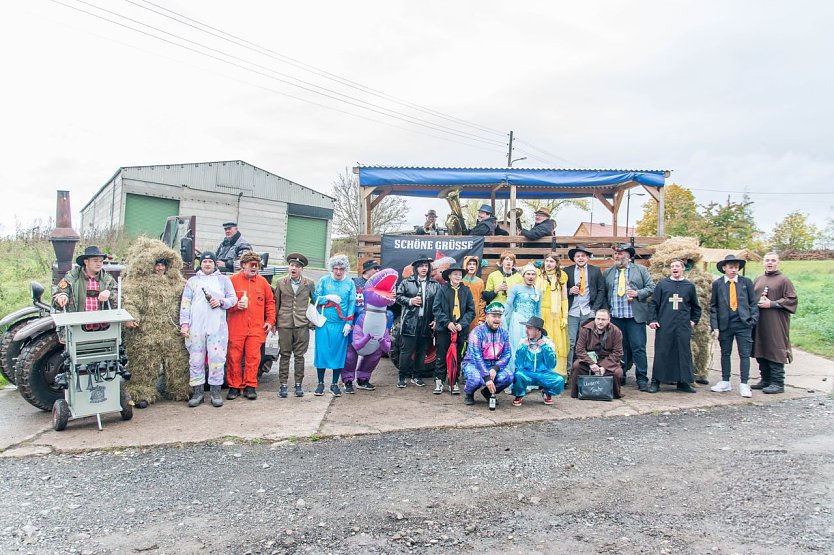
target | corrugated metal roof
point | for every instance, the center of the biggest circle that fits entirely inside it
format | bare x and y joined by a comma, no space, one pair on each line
225,176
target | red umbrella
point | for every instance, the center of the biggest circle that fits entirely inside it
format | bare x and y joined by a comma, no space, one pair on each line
452,361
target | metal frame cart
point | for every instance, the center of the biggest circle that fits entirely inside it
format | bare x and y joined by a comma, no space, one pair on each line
94,367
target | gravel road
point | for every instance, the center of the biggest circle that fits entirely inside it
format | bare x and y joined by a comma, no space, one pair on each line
742,479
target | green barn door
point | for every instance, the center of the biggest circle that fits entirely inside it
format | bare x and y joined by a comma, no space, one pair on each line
309,237
146,215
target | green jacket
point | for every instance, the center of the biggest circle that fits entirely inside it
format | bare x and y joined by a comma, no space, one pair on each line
74,286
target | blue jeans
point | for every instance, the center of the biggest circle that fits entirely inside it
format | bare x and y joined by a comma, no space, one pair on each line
634,347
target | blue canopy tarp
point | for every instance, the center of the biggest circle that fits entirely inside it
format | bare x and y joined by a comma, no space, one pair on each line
529,182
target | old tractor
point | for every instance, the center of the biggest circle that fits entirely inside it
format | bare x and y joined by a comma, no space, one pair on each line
31,355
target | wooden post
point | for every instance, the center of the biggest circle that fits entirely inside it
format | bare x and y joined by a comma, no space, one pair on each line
661,212
513,230
618,200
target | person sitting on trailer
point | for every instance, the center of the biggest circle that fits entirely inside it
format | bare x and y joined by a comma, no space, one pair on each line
486,222
231,248
544,226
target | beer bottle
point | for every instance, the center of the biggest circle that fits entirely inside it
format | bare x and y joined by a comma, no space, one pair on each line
208,297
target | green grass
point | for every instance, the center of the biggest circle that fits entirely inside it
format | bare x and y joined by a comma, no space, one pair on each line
812,327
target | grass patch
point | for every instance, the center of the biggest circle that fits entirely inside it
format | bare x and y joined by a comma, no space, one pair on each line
812,327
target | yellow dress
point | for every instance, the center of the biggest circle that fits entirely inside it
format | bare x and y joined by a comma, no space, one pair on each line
555,314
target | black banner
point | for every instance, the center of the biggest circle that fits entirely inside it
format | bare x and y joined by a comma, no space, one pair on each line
399,251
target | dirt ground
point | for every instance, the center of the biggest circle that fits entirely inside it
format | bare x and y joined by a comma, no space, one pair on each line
733,479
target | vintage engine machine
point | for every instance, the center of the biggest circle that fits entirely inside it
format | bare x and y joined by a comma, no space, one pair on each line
95,366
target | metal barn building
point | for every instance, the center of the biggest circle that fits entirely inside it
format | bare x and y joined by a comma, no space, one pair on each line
276,215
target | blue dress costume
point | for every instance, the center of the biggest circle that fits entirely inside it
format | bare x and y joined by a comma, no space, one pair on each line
331,343
522,303
535,365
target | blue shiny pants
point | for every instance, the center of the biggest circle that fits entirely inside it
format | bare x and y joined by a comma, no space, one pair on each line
550,382
475,381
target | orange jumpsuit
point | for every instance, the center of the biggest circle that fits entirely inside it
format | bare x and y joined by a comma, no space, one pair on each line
246,329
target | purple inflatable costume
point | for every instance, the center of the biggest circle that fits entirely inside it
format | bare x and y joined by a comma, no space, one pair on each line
370,333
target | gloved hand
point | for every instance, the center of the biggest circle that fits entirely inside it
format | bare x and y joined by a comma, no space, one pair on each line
333,298
346,330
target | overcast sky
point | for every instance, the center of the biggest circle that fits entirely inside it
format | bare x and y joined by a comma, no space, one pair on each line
730,96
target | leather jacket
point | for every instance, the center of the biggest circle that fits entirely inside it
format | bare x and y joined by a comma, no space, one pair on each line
411,324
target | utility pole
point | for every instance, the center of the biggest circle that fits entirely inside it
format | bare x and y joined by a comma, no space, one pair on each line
510,153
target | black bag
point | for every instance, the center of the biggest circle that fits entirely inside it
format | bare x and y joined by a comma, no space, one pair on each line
595,388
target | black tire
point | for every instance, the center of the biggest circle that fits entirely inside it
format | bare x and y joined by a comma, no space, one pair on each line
127,408
37,365
60,415
10,349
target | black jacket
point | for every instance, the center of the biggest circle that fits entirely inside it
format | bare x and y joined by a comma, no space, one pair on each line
544,229
444,303
230,250
485,227
411,323
595,285
719,304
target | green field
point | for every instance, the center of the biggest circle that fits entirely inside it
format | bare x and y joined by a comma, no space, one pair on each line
812,328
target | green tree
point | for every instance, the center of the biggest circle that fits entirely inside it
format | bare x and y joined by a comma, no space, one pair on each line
681,214
794,233
727,226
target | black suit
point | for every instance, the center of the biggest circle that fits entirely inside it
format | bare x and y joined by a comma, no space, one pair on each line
596,289
595,284
444,304
732,325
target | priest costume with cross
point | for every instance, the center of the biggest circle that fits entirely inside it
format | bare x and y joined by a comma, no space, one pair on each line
673,312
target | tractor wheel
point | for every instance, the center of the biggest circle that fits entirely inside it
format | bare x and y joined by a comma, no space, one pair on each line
127,408
10,349
38,364
60,415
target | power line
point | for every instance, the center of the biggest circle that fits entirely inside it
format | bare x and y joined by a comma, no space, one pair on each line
282,93
229,37
352,100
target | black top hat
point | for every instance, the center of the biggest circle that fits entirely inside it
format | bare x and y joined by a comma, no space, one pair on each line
536,322
423,259
486,208
229,224
579,248
625,247
89,252
298,258
453,268
370,265
730,258
207,255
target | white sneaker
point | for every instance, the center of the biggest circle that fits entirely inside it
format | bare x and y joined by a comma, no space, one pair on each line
744,390
438,387
721,387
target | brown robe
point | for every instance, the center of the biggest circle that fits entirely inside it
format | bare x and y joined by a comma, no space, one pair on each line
772,334
608,355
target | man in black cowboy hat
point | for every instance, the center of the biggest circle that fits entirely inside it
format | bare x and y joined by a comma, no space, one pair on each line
454,310
628,288
733,313
430,227
369,268
486,222
586,293
87,286
415,295
535,364
231,248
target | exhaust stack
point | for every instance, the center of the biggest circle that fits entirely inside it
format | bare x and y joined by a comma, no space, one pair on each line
64,238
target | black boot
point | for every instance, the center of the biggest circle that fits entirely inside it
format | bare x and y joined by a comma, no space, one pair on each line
764,370
777,379
654,387
196,396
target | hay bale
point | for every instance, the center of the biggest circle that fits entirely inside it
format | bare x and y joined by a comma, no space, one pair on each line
688,250
154,300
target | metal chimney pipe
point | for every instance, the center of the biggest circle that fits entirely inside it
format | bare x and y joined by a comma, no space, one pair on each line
63,237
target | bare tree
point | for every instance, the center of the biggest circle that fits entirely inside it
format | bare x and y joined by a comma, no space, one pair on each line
388,215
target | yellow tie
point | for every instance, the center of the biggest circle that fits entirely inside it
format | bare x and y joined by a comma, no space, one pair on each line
456,309
582,280
733,297
621,284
